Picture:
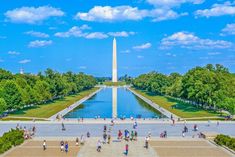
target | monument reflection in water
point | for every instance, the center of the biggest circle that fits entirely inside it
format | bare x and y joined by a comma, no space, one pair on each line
113,102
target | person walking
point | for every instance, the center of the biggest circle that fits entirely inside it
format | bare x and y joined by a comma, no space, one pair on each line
66,147
88,134
61,146
44,145
146,142
132,135
126,149
82,140
105,128
119,135
136,134
63,127
104,138
109,138
98,146
77,141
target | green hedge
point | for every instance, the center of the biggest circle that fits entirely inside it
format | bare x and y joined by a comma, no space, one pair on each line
11,138
225,141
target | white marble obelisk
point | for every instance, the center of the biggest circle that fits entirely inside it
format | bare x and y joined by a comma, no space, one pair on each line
114,76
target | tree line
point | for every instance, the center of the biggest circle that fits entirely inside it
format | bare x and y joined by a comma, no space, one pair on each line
21,90
208,87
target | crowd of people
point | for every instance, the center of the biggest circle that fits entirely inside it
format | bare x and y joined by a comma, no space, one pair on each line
122,135
125,135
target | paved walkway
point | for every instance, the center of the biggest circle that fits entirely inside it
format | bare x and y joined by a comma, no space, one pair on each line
154,105
33,148
158,147
74,129
73,106
115,149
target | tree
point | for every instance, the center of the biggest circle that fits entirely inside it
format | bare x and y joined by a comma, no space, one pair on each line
42,91
211,87
3,105
11,94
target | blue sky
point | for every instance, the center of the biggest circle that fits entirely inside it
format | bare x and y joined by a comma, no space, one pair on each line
161,35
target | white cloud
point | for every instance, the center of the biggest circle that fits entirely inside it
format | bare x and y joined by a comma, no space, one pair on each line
143,46
121,34
82,67
169,54
122,13
125,51
85,27
39,43
172,3
2,37
108,13
229,29
161,14
24,61
68,59
214,53
52,28
74,31
189,40
140,57
37,34
227,8
32,15
13,53
96,35
80,32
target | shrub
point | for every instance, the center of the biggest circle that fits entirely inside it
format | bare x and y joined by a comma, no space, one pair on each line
11,138
224,140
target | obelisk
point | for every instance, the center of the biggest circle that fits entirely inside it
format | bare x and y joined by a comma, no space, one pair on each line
114,77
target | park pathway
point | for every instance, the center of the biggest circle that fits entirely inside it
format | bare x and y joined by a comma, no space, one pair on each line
115,149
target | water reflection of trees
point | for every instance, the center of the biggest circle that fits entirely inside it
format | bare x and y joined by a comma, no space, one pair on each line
93,97
147,106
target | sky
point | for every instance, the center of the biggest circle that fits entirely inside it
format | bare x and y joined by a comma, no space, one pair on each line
152,35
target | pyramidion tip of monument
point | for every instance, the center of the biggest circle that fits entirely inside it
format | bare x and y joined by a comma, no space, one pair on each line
114,39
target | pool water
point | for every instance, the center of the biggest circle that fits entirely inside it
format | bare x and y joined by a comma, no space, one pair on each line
114,102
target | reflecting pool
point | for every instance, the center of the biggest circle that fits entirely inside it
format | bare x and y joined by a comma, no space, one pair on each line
114,102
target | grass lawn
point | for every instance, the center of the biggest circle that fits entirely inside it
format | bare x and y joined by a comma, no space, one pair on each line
49,109
19,119
180,109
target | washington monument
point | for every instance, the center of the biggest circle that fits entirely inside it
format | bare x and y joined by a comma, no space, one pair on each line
114,77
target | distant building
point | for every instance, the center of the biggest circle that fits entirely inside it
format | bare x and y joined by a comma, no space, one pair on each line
21,71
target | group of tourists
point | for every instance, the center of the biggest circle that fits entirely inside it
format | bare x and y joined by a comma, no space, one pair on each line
126,135
28,133
163,134
64,146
